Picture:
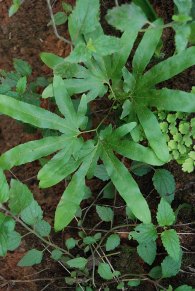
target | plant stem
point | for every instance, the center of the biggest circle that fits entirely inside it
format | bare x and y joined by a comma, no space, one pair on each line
17,219
54,25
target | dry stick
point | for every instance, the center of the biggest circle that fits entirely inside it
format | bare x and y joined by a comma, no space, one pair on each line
54,25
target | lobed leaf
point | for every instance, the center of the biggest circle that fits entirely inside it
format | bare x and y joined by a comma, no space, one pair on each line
32,114
58,168
153,132
169,68
125,185
73,194
84,19
170,100
147,47
31,151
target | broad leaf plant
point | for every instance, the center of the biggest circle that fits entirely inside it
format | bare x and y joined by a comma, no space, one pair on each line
97,68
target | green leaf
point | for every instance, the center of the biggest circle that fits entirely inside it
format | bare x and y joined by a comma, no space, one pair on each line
32,213
58,168
140,169
105,272
20,197
22,67
3,242
67,7
170,267
184,7
73,194
51,60
184,288
56,254
113,241
188,165
84,19
169,68
31,258
170,100
134,282
91,83
144,233
89,240
105,213
31,151
147,8
7,225
135,151
14,240
125,184
104,45
43,228
120,58
32,114
147,251
165,215
156,272
78,263
155,137
4,188
48,92
70,243
170,241
147,47
101,173
13,9
64,101
21,85
164,184
109,191
59,18
182,35
126,15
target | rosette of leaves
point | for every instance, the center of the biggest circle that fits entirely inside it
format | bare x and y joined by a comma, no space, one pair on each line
96,66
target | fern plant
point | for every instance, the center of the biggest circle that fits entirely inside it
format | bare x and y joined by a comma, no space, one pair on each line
95,68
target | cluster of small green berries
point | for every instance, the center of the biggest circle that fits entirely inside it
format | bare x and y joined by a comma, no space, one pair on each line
179,130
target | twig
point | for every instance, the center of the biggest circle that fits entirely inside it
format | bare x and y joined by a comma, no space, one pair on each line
54,26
